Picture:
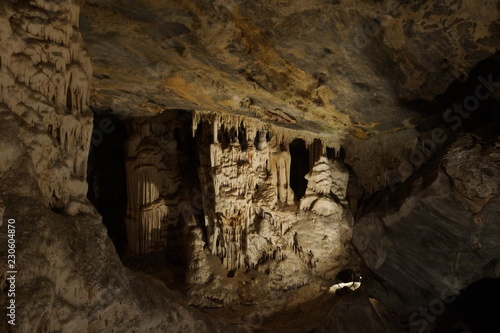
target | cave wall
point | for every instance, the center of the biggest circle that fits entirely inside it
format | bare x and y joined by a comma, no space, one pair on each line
45,85
69,278
438,232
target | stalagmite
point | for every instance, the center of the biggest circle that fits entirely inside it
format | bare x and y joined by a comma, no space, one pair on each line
249,215
153,178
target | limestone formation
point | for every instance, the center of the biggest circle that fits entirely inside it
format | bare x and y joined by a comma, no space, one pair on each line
46,84
153,178
248,204
69,278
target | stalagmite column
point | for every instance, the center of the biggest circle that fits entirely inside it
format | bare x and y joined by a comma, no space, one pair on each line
153,180
326,188
279,166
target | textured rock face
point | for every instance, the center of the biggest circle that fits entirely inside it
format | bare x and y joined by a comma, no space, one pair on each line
45,85
242,209
153,165
346,65
69,276
444,233
71,280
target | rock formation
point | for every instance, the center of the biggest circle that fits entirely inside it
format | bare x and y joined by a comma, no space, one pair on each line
443,220
153,179
69,278
249,213
45,85
211,166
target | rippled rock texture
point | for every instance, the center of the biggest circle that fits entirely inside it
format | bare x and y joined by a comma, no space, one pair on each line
438,232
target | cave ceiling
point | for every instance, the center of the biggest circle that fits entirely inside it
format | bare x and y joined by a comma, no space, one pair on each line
349,66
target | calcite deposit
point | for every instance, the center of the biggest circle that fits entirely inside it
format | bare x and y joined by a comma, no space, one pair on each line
249,215
46,84
211,166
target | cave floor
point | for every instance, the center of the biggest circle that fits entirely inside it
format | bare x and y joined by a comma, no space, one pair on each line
298,310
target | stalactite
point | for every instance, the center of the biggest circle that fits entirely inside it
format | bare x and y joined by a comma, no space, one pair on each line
35,65
249,171
316,150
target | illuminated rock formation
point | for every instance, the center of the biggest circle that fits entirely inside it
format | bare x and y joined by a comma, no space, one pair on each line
238,147
45,83
250,213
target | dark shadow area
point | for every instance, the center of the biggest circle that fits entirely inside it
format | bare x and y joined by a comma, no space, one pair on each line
474,104
226,136
472,100
299,168
242,134
169,261
199,159
475,310
106,175
189,162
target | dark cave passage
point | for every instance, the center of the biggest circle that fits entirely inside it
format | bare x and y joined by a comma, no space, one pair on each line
471,101
107,179
476,309
299,168
106,175
189,162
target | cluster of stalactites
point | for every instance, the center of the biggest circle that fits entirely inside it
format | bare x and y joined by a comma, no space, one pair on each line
46,83
248,165
47,59
233,124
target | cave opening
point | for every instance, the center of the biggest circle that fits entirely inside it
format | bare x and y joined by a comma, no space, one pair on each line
299,167
189,163
242,137
106,175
